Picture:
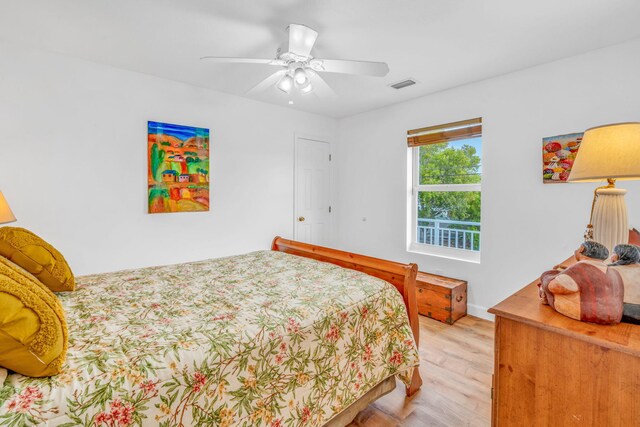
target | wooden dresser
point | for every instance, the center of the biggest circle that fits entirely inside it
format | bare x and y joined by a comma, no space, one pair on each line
551,370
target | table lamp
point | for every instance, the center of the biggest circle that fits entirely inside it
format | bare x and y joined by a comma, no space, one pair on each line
5,211
610,152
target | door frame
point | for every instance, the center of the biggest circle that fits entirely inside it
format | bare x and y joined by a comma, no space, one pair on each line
317,138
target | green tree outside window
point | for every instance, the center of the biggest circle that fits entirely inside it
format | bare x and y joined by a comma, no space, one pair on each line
446,164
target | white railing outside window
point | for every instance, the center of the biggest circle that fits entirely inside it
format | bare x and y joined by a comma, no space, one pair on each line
449,233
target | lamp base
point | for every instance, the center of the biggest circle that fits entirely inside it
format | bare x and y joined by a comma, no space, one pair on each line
609,219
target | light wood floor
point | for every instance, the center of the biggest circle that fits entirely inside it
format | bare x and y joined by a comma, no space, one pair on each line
456,367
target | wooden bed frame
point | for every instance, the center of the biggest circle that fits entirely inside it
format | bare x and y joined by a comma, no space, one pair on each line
402,276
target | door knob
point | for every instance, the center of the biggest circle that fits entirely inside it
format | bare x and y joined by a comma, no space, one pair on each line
300,218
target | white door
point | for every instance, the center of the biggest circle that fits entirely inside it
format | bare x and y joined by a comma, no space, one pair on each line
312,191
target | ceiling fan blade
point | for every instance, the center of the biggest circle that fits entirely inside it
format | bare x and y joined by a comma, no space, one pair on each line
266,83
301,39
228,60
378,69
320,87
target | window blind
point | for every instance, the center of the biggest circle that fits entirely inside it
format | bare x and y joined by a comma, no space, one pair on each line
448,132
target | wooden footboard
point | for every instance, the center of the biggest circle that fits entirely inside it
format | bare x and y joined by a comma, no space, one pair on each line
402,276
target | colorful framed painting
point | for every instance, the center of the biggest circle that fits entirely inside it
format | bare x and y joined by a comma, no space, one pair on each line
178,175
558,155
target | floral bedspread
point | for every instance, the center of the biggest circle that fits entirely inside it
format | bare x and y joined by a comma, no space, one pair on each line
262,339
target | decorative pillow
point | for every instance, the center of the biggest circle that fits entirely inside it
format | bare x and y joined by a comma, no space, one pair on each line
33,329
38,257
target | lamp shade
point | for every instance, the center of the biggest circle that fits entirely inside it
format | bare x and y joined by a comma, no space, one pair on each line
610,151
5,211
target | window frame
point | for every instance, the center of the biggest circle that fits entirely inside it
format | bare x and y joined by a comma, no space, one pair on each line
414,189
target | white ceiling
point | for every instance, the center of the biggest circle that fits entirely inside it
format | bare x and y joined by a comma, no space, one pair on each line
440,43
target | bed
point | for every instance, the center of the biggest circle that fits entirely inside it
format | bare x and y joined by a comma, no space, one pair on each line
270,338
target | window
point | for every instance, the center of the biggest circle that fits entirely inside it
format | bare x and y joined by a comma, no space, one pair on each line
446,175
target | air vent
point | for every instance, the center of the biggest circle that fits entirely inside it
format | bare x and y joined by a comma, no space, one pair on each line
403,84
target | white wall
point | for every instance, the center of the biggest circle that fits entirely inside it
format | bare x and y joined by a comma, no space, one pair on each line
526,226
74,168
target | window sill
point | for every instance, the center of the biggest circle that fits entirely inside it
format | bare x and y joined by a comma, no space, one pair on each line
444,252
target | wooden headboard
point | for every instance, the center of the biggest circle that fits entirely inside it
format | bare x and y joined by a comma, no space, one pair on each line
402,276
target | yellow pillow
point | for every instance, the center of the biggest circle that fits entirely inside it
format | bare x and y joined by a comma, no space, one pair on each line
33,330
38,257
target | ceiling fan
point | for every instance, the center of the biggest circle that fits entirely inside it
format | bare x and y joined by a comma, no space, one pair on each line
300,69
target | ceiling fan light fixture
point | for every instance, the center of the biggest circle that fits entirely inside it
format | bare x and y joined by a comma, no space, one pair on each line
306,88
286,83
300,76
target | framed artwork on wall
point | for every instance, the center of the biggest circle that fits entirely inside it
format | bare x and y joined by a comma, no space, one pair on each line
558,155
178,168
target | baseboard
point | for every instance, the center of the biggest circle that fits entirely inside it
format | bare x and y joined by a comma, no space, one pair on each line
479,311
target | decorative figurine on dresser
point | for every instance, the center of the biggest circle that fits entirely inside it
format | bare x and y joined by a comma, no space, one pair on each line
589,291
626,261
